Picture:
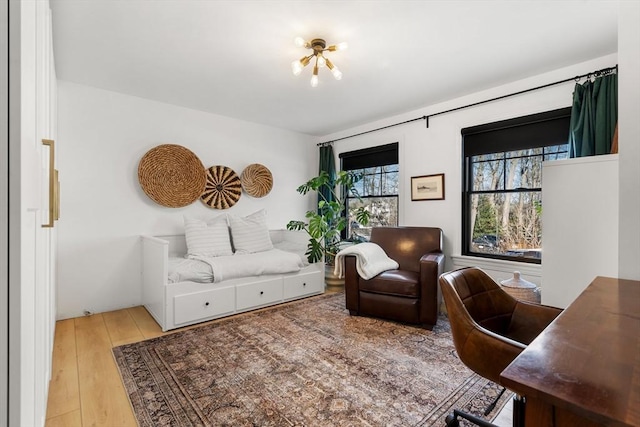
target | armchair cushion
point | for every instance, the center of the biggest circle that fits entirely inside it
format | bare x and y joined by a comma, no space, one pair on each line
394,282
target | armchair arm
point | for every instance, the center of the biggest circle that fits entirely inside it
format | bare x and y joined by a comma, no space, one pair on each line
431,267
430,258
351,286
529,319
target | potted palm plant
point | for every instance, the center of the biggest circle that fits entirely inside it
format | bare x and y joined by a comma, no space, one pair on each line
324,225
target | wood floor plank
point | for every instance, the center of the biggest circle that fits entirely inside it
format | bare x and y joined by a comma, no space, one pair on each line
102,396
147,325
64,394
70,419
121,327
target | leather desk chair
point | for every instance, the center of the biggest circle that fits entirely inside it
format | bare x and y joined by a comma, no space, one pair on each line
489,327
408,294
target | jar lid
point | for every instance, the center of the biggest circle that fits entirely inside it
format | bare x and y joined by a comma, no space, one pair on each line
517,282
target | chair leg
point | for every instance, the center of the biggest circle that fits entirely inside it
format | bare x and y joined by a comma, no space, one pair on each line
518,410
452,419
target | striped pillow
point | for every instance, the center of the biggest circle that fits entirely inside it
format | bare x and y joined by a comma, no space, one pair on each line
250,234
208,238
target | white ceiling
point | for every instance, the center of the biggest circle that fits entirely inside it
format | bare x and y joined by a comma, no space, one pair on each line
233,57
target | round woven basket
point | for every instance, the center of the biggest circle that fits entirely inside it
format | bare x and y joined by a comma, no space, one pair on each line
171,175
223,188
521,289
257,180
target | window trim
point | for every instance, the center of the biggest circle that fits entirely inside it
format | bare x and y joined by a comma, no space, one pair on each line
508,129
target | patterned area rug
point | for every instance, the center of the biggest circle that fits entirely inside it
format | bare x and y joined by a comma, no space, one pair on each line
303,364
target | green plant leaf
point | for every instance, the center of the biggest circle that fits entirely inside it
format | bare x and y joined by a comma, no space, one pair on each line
326,223
296,225
317,226
314,252
362,216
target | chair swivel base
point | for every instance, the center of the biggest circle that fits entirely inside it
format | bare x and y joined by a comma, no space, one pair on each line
452,419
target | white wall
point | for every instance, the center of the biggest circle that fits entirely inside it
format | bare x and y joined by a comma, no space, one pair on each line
580,223
438,149
4,219
629,139
103,208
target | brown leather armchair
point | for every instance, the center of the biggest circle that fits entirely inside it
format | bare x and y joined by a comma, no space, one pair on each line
489,327
408,294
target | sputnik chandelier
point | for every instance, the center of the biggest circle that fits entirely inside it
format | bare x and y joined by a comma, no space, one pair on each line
318,46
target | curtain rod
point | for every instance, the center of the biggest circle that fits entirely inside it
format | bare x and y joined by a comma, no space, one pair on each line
597,73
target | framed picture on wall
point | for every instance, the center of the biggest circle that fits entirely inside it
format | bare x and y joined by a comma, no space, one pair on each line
427,187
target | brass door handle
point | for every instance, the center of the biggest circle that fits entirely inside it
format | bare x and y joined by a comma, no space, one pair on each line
54,186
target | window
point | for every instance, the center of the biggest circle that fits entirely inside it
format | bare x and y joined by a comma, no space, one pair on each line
502,202
378,188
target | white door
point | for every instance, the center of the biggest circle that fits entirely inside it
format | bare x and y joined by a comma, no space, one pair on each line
31,247
4,217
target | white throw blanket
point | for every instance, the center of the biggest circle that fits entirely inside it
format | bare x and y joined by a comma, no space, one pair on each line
371,260
273,261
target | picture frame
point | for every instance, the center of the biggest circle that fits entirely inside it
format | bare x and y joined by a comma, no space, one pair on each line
427,187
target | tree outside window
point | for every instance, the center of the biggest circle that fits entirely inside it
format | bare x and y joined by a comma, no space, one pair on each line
505,207
502,195
379,195
378,188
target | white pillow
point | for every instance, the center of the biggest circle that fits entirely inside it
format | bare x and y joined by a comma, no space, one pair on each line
208,238
250,234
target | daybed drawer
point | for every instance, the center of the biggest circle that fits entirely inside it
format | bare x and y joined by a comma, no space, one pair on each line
303,284
259,293
201,305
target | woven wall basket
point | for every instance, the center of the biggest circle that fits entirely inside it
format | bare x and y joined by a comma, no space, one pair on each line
223,188
257,180
171,175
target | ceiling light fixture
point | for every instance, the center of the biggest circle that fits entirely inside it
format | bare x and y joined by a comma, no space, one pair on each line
318,46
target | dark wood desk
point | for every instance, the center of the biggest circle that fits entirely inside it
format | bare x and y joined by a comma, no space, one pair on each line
584,368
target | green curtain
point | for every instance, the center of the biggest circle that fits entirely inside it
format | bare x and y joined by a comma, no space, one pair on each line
594,115
327,164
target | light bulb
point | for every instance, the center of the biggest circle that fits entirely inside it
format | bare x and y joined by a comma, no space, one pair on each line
339,46
336,73
299,41
296,67
314,81
321,61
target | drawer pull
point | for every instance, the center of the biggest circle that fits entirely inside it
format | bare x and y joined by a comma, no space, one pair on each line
206,304
304,284
261,292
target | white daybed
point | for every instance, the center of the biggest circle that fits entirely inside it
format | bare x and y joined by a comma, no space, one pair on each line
174,305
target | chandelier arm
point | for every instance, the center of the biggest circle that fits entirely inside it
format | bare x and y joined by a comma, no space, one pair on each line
318,47
305,60
329,64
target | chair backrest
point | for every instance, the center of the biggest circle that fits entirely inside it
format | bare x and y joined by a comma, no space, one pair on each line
485,301
406,245
472,300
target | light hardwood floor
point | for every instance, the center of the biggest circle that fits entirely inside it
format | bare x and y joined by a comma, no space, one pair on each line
86,389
